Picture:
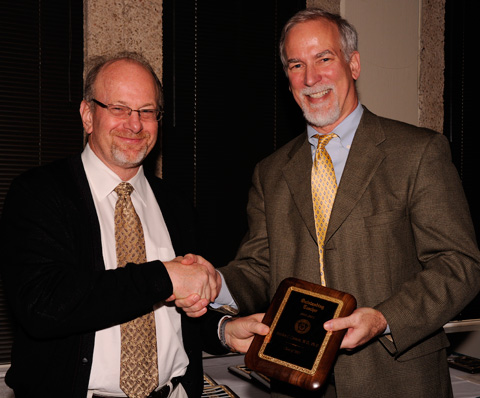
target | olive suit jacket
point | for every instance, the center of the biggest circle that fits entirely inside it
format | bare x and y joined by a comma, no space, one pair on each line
60,293
400,239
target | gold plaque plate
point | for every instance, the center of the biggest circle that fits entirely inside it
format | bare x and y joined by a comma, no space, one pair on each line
298,350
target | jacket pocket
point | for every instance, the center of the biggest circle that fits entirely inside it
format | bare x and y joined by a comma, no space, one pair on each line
386,217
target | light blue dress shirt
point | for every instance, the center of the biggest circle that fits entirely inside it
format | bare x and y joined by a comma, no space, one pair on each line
339,147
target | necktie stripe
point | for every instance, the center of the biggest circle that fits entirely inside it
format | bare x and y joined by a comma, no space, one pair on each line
324,189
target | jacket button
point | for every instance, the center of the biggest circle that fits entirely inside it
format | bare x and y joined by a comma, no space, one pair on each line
84,361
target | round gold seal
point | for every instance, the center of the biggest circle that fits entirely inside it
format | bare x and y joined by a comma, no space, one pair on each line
302,326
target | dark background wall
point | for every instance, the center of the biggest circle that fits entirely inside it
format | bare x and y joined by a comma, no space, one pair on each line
459,123
41,67
227,107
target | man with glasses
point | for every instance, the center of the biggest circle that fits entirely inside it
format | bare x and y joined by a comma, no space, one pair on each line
80,276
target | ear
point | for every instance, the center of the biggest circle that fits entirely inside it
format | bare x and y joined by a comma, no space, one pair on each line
355,65
87,117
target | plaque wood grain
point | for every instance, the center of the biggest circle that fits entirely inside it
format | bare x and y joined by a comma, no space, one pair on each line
298,350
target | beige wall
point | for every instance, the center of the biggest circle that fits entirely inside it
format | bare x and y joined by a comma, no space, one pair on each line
111,26
389,36
432,64
401,52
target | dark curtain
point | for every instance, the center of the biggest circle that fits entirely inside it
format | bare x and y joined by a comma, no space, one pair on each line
227,107
41,66
460,86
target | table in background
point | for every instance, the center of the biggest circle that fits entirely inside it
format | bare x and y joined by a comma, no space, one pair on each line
464,385
217,368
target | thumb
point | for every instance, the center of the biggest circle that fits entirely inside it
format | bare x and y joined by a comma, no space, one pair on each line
189,259
336,324
171,298
256,326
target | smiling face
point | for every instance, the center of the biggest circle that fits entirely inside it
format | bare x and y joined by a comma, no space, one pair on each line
321,80
122,144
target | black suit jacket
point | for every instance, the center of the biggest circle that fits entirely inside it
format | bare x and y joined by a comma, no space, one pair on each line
60,292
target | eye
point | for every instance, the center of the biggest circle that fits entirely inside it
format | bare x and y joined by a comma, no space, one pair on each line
295,66
324,59
118,108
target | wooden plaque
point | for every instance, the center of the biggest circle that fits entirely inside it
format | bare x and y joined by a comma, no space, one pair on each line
298,350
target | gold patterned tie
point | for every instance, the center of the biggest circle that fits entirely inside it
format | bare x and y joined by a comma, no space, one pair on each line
324,188
138,364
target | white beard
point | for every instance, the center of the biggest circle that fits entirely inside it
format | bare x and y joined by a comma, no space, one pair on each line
122,159
316,115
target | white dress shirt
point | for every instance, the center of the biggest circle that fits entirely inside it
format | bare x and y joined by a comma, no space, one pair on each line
173,361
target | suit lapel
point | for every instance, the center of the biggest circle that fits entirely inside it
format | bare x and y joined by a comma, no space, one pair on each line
79,190
165,208
297,174
178,216
363,160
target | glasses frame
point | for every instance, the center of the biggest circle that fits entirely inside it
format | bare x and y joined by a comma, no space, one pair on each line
159,112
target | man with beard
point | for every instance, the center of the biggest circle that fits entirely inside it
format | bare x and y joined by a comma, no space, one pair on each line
89,261
399,237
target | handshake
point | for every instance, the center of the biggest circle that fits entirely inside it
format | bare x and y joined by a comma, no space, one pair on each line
196,284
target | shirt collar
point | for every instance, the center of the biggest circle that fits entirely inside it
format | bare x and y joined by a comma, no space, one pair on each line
345,130
103,180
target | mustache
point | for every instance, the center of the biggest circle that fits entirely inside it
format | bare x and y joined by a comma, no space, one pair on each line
138,136
316,89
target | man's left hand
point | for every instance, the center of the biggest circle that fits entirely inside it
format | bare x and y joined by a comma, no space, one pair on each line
363,325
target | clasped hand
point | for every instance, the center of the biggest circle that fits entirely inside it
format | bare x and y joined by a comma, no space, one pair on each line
195,281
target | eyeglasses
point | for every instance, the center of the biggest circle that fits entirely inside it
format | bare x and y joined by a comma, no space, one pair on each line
124,112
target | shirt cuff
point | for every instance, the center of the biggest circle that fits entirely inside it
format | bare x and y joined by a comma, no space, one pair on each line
224,297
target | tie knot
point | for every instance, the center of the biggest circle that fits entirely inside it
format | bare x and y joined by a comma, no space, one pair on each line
323,140
124,189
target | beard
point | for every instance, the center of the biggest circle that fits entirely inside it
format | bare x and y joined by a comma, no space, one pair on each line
128,158
320,115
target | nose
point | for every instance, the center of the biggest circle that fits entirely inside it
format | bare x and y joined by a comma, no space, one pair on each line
134,123
312,76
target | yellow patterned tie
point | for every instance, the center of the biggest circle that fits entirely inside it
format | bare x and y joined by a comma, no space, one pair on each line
324,188
139,365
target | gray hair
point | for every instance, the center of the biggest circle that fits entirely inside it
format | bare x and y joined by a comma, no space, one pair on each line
96,64
348,34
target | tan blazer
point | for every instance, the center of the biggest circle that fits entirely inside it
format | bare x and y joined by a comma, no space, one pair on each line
400,239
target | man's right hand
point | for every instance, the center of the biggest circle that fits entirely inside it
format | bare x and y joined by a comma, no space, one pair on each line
194,305
195,281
